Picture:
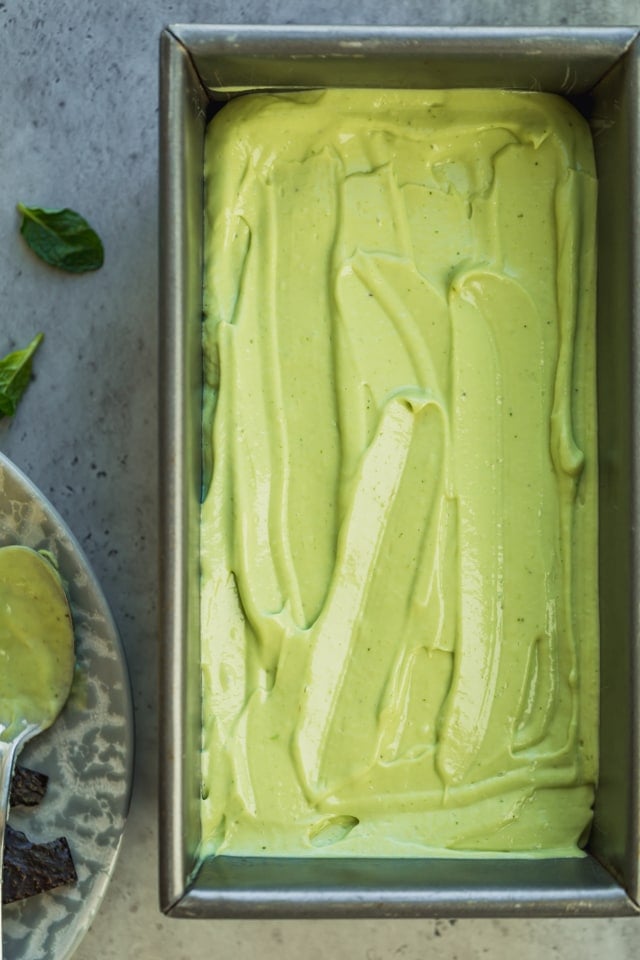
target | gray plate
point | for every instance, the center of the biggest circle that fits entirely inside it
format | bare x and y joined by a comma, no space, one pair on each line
87,753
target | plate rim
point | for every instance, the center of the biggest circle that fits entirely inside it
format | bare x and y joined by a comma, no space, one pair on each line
100,882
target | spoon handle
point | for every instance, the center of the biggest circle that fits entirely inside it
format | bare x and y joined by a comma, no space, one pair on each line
8,751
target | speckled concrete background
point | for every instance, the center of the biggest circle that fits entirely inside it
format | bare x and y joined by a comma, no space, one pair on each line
78,108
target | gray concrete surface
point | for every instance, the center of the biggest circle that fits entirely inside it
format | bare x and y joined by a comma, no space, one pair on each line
78,109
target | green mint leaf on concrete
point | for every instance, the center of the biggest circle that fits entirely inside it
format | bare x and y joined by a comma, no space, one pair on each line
61,238
15,373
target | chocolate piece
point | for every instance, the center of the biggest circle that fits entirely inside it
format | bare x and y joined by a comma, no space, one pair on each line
31,868
28,787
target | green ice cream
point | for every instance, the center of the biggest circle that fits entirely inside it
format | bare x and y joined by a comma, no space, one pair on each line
36,641
399,594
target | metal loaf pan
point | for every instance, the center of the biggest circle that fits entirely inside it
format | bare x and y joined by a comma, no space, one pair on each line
599,70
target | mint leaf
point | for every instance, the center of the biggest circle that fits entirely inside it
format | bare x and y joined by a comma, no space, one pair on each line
61,238
15,373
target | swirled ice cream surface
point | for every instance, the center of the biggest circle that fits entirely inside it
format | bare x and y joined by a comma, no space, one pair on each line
398,534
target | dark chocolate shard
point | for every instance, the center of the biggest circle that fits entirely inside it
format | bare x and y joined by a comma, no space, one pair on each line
28,787
31,868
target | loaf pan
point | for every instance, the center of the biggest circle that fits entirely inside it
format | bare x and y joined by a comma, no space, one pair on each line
598,70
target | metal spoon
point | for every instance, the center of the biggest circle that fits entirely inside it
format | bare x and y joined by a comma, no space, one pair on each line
36,660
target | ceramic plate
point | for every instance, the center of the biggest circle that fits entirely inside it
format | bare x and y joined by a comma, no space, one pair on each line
88,752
